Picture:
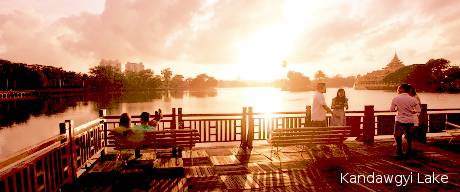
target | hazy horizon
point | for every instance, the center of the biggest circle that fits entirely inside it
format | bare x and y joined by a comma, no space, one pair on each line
231,40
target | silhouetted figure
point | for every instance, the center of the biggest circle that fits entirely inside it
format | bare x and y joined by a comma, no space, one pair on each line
339,105
406,107
140,129
125,125
415,130
319,107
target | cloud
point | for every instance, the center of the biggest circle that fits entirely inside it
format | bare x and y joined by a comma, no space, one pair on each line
330,34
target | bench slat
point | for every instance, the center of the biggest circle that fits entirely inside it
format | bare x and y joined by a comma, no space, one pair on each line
161,139
309,136
302,141
313,128
311,133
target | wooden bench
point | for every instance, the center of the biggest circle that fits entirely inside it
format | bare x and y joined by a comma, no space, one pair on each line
309,136
175,139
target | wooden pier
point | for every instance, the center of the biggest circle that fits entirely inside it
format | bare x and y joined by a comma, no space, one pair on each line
70,160
235,169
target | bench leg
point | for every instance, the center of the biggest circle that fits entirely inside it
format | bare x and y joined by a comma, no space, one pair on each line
271,153
344,150
191,158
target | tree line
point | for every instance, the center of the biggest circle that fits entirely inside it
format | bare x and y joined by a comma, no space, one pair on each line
20,76
297,81
436,75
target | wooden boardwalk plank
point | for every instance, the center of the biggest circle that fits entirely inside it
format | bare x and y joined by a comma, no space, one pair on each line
313,169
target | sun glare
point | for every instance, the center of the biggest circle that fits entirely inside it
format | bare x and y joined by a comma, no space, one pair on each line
262,54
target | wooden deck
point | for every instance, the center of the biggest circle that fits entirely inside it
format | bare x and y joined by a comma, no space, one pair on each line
234,169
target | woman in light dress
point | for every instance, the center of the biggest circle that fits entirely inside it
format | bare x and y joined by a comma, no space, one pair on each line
339,105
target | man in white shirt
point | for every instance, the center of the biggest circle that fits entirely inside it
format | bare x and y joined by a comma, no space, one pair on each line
319,107
407,107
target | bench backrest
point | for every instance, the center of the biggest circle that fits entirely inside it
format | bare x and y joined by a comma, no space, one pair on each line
309,135
182,138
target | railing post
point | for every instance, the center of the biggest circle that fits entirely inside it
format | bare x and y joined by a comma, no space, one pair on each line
179,118
368,124
102,113
307,116
72,151
63,130
423,124
173,121
243,128
250,127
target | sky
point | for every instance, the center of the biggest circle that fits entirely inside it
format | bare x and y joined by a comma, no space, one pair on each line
230,39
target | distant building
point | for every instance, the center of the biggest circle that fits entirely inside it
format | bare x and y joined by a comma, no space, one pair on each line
134,67
111,63
374,79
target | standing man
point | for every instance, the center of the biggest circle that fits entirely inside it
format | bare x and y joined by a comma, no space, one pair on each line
319,107
407,108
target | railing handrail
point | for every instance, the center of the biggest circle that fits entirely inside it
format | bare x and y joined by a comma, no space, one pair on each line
266,113
453,125
446,109
84,127
23,154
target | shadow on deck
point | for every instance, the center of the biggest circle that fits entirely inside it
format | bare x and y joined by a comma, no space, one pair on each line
318,169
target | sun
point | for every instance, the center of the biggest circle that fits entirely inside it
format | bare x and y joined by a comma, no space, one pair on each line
261,56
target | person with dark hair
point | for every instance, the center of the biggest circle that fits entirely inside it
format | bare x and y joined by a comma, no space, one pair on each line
406,107
145,119
339,105
125,125
413,93
140,129
319,107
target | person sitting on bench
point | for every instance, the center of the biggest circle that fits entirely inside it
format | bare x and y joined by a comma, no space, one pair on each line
125,125
140,129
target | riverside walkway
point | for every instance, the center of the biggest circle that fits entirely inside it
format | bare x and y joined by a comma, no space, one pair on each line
71,161
230,168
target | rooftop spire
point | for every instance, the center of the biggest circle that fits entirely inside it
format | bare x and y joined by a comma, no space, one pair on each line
395,63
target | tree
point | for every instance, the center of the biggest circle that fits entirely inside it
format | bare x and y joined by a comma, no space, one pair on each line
178,82
453,79
400,75
212,82
167,73
297,81
431,76
203,82
105,78
319,75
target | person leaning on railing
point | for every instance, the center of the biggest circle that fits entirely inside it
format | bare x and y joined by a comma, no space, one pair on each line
156,120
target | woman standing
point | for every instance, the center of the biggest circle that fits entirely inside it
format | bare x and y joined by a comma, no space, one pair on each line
339,105
413,93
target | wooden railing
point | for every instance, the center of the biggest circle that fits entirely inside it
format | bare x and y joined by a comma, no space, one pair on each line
225,127
55,162
60,160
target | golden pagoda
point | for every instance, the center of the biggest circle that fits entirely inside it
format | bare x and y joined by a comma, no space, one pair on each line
374,79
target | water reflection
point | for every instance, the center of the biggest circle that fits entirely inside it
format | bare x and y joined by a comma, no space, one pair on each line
21,111
202,94
16,112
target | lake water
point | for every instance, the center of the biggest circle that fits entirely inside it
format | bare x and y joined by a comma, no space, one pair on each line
25,123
